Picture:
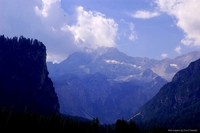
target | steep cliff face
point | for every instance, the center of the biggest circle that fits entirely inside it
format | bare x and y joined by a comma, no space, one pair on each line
24,80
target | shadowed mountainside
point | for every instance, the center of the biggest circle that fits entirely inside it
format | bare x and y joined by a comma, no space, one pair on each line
24,80
177,104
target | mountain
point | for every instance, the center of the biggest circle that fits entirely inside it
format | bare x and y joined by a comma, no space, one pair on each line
111,62
24,81
109,84
167,68
94,96
108,61
177,104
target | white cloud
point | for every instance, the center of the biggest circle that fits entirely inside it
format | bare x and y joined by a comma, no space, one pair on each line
62,33
93,29
133,35
164,55
187,17
145,14
52,17
46,6
25,18
51,14
178,49
127,31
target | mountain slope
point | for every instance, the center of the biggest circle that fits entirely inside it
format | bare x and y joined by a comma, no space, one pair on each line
103,83
24,80
94,96
177,105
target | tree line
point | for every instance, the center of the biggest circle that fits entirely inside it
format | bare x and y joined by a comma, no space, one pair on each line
32,122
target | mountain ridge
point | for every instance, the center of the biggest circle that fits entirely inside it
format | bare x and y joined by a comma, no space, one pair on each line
88,61
177,104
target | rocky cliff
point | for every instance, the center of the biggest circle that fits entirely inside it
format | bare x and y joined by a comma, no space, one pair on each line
24,81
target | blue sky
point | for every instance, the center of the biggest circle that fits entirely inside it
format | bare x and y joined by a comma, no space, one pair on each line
147,28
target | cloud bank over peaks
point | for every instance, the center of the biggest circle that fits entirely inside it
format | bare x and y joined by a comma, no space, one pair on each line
92,29
186,13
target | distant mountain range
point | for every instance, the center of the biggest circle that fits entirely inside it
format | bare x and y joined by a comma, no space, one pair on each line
108,84
111,62
177,104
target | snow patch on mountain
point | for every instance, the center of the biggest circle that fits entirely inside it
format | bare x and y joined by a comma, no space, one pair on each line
174,65
125,78
113,62
122,63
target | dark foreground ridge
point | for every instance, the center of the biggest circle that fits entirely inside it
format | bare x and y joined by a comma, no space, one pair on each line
24,81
